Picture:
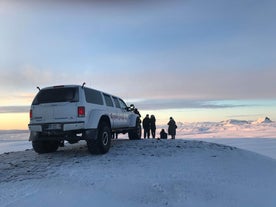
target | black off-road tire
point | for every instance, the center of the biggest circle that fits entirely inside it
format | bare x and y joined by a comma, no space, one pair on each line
136,133
101,145
45,146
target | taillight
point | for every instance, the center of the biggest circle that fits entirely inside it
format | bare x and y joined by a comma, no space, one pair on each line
81,111
31,114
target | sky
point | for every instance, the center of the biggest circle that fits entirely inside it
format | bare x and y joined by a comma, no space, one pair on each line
195,60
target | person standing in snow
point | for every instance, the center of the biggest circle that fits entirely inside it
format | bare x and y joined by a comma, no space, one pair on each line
172,128
146,126
163,134
134,109
152,126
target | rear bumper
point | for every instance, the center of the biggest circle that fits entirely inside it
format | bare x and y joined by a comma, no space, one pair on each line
61,131
48,127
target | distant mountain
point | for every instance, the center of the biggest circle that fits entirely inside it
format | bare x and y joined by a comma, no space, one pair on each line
180,123
234,122
263,120
231,128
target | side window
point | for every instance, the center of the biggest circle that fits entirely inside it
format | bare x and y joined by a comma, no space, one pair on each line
93,96
117,104
122,104
108,100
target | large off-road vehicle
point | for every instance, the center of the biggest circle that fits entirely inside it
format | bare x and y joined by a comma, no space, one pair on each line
73,113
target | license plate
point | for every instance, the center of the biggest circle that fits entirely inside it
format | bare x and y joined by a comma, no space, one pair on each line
53,127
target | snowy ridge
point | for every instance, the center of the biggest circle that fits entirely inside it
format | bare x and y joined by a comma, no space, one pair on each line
262,121
142,173
15,140
234,122
232,128
14,135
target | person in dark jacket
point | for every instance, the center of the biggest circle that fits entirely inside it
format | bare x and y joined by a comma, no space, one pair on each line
152,126
163,134
172,128
146,126
134,109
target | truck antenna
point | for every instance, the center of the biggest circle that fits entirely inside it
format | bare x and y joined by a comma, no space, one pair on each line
38,88
83,85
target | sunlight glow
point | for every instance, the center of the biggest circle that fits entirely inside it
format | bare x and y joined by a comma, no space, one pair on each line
10,121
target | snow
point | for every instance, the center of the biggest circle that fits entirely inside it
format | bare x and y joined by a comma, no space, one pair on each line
227,129
14,140
196,169
263,120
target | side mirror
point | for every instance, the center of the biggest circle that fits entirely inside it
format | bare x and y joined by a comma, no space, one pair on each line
131,107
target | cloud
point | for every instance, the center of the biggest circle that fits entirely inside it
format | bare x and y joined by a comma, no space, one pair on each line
14,109
200,84
151,104
148,82
76,4
22,81
25,76
163,83
159,104
145,54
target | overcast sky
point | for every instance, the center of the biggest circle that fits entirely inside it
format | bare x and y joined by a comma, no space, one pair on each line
159,54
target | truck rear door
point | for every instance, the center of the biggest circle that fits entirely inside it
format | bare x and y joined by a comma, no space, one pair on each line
57,104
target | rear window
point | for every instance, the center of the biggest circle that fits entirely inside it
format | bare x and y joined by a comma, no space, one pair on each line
93,96
56,95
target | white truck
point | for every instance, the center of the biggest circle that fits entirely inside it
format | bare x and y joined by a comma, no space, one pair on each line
74,112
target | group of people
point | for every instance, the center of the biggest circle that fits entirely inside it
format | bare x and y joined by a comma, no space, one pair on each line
149,127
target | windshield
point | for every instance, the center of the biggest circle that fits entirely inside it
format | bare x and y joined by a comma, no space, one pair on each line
56,95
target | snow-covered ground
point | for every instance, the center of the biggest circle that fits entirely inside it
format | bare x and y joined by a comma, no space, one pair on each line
228,129
187,171
257,136
14,140
139,173
262,129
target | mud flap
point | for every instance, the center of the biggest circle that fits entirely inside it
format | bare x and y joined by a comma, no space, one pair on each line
91,134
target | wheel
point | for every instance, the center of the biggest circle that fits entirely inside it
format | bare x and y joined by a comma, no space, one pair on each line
45,146
102,144
135,133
